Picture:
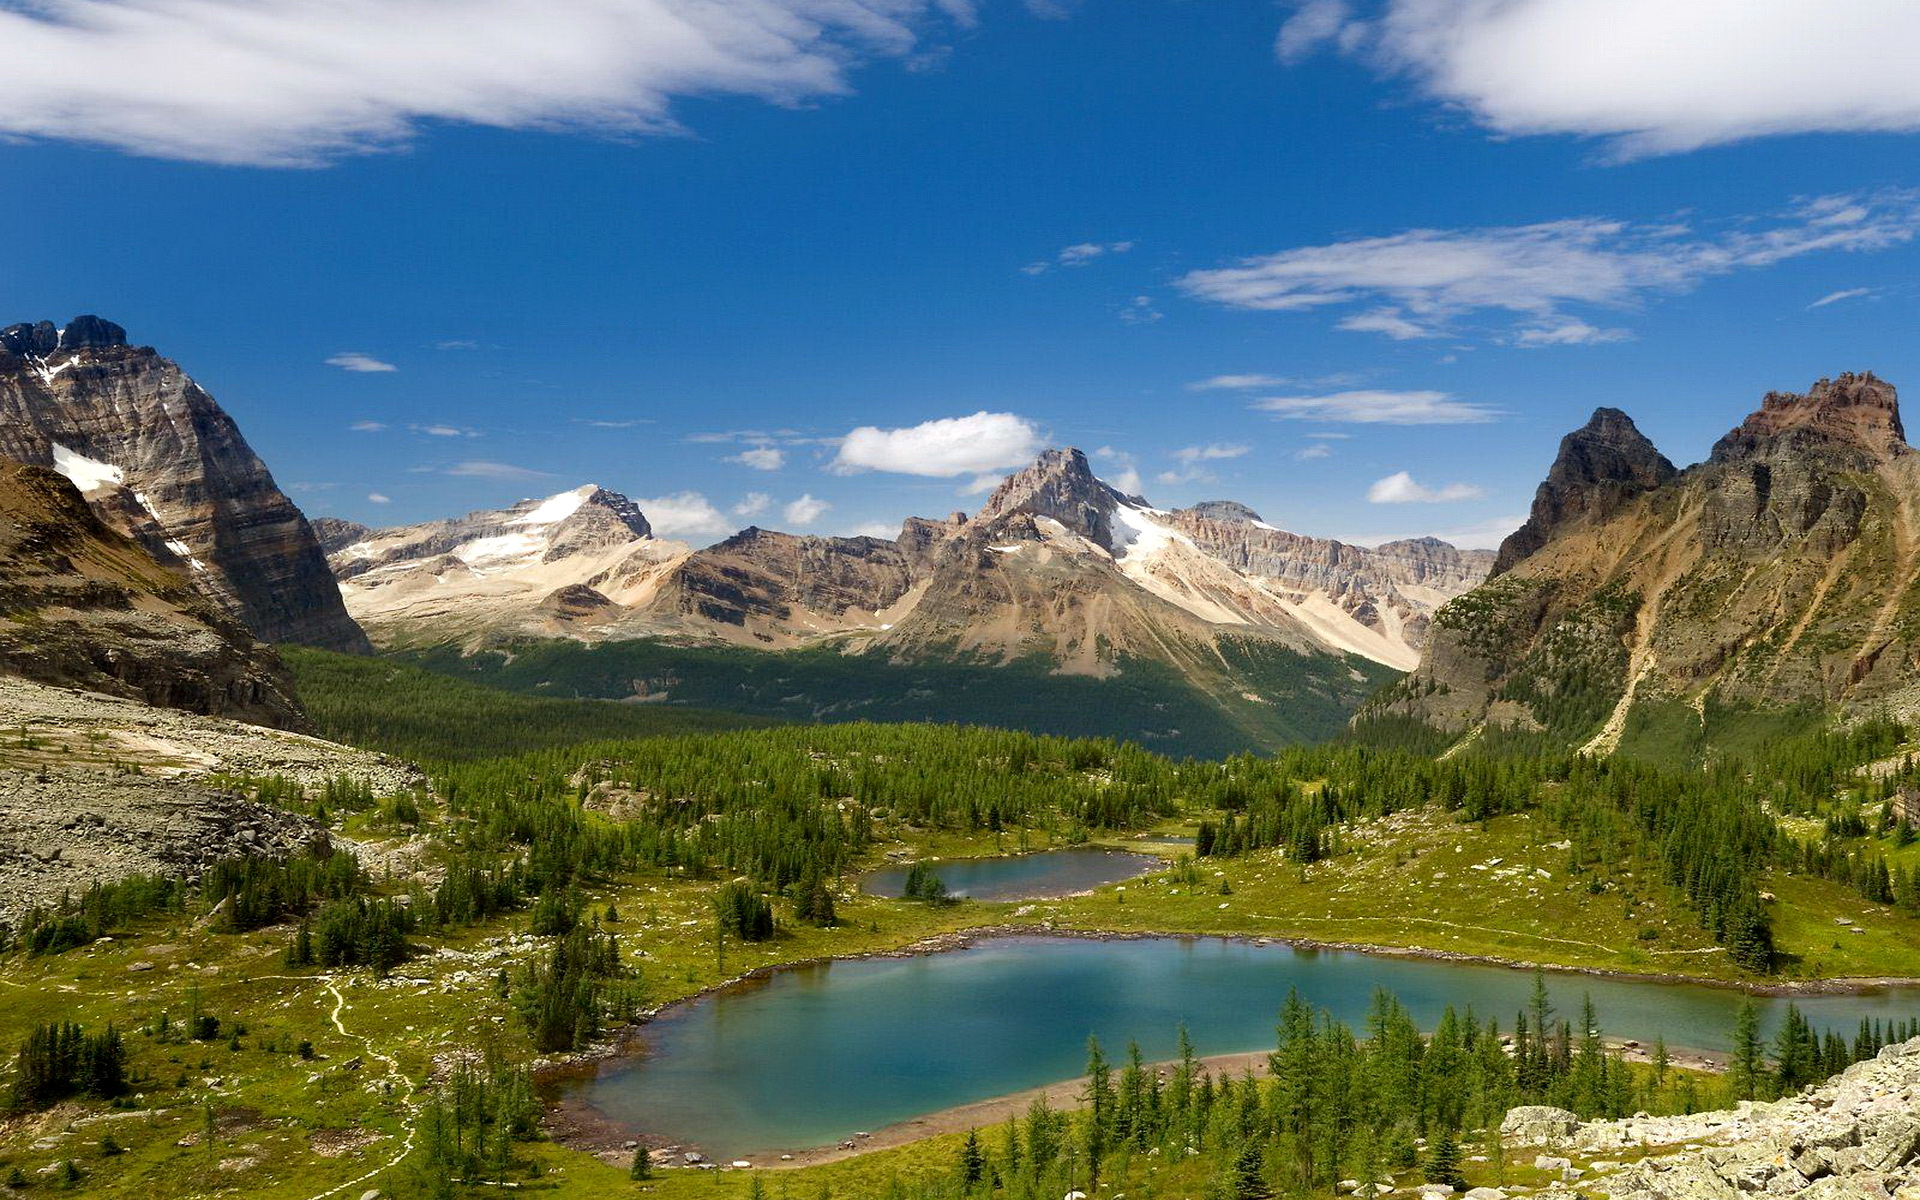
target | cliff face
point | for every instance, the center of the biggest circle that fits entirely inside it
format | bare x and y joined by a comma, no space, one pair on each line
83,606
1600,468
158,460
1783,571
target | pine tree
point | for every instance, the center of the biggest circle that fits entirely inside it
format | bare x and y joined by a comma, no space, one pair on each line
1443,1162
972,1166
642,1167
1745,1066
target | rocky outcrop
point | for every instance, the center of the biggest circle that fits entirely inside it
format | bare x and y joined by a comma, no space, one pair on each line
84,606
71,815
1601,466
1854,1137
776,588
159,461
1784,571
1061,486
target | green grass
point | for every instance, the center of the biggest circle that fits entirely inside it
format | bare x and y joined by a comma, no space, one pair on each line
405,710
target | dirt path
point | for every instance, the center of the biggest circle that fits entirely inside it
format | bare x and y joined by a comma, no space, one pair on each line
407,1122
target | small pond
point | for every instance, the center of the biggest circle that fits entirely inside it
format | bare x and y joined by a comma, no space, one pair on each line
1037,876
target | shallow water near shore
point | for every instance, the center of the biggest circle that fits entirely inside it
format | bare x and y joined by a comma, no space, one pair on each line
1035,876
810,1055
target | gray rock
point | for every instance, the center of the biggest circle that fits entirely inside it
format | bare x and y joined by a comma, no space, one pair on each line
1538,1125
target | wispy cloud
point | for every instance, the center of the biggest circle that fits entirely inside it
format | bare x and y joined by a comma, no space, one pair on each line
379,498
1076,255
445,431
753,504
457,344
300,82
950,446
875,529
610,423
1191,459
368,426
1122,470
760,458
346,360
482,469
1649,76
1310,453
1525,282
1140,311
1837,297
1401,488
1379,408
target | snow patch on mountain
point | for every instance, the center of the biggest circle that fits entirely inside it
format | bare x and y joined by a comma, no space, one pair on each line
87,474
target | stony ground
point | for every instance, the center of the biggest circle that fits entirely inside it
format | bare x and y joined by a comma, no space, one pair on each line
1856,1137
93,788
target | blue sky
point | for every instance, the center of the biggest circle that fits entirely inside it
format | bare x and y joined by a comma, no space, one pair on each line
1357,266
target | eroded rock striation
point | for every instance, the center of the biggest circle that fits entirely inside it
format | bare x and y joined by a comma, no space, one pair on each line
84,606
159,461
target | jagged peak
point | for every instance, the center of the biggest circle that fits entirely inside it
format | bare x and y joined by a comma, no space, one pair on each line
40,338
1853,409
1600,467
1061,486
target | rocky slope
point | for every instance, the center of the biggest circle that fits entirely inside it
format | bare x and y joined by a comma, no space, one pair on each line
1057,565
1783,571
159,461
84,606
1855,1137
71,815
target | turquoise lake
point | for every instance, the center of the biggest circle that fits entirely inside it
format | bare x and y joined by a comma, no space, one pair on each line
810,1055
1023,876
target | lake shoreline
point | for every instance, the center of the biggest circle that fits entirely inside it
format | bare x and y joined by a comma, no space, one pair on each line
578,1126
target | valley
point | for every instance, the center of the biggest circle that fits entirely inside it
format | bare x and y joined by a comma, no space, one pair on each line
602,843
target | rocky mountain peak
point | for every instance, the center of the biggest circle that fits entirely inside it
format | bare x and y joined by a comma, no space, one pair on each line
159,461
1858,412
1231,511
1601,466
1061,486
42,338
587,518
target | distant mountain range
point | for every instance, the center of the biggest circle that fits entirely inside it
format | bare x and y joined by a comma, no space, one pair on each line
1057,564
1670,610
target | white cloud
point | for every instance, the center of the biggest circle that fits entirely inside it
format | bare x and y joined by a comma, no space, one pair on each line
1401,488
1077,255
1190,458
1212,452
805,511
298,82
1524,279
368,426
875,529
482,469
1650,76
760,458
1220,383
1140,311
943,448
346,360
1379,408
1837,297
445,431
457,344
685,514
1313,25
1123,471
753,504
379,498
1310,453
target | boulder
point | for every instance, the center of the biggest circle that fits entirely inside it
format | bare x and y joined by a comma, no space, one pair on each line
1538,1125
